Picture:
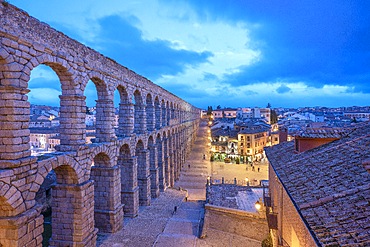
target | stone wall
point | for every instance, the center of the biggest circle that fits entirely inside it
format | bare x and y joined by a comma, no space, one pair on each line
96,184
290,227
250,228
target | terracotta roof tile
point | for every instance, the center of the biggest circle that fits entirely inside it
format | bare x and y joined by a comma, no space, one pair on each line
330,185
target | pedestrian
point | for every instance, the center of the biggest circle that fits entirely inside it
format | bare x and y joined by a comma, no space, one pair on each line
189,165
174,210
258,169
253,168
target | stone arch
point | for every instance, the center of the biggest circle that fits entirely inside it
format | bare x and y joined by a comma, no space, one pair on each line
70,100
104,108
125,117
101,156
139,113
5,59
143,173
149,109
168,113
164,113
157,113
129,182
172,111
107,193
79,199
11,200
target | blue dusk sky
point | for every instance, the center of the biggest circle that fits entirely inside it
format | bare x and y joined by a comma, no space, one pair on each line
224,52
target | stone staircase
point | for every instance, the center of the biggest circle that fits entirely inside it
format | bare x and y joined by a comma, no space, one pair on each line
183,227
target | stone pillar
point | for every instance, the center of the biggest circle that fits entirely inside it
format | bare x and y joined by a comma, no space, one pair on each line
154,171
104,120
130,188
108,210
14,122
72,122
158,117
150,121
22,230
166,162
143,176
73,215
172,170
164,115
126,119
161,170
140,119
168,113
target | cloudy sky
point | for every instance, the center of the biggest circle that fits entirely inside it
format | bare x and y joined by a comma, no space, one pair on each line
225,52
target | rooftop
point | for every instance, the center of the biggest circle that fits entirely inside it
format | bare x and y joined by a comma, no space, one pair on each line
323,133
235,196
330,186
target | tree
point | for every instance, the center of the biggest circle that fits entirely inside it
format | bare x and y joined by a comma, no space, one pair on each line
209,110
218,107
268,105
273,117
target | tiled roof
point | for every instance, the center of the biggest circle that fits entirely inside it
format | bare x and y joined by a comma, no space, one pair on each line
254,130
225,132
330,186
323,133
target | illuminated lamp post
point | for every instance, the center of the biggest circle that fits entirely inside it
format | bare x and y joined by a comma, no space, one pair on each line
258,205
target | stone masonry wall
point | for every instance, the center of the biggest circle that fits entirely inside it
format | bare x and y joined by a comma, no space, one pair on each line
96,184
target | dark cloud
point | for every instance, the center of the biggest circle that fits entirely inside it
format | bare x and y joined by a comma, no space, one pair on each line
318,43
124,43
283,89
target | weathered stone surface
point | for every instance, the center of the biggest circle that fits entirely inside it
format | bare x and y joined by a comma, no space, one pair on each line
154,134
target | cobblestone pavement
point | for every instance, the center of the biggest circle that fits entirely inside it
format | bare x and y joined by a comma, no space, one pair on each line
143,230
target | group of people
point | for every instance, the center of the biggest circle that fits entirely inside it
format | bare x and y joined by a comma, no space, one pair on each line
253,168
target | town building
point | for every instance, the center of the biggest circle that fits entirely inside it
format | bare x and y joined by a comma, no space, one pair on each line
241,141
358,116
224,113
251,141
320,196
224,144
255,113
40,140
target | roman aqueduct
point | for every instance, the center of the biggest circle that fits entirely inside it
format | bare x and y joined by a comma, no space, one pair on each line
96,184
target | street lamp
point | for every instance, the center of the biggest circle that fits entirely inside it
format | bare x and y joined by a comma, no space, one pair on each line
258,205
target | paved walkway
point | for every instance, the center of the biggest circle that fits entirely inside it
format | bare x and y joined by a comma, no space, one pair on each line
160,225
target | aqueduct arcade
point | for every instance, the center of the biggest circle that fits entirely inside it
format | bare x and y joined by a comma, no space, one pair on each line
96,184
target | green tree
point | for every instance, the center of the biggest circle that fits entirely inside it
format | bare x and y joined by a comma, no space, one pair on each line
218,107
268,105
